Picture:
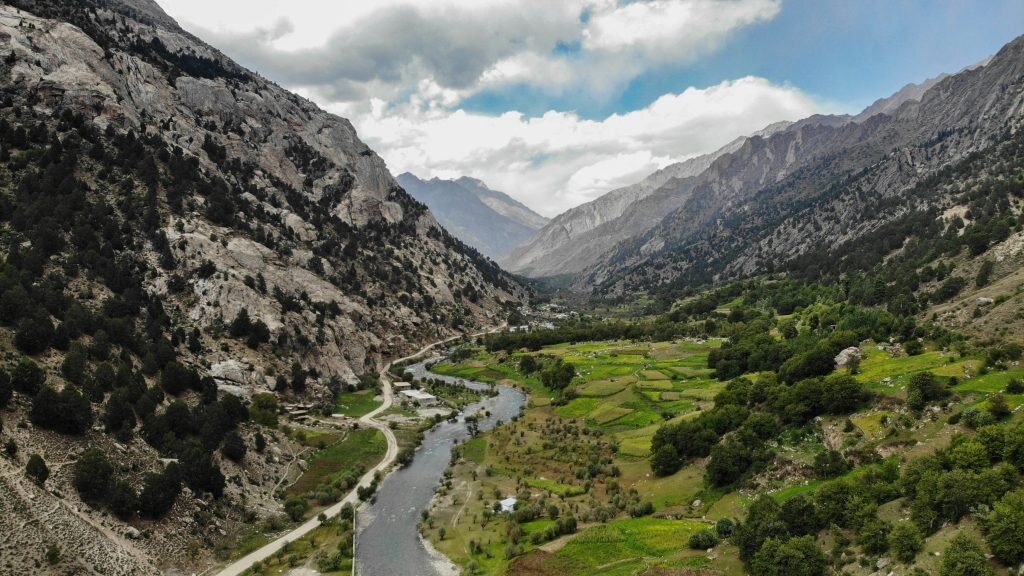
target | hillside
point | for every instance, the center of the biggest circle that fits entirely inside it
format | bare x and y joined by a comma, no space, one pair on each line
490,221
817,187
186,246
577,238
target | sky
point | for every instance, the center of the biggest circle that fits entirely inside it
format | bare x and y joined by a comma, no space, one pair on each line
556,102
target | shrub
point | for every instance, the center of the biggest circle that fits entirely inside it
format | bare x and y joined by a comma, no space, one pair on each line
703,540
92,476
905,541
964,557
36,469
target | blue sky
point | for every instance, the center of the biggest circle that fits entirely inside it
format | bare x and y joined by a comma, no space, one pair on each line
559,101
847,53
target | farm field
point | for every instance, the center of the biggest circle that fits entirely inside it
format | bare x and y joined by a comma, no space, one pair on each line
356,404
587,455
358,450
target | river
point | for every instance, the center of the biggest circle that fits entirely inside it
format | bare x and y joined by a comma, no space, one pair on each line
388,543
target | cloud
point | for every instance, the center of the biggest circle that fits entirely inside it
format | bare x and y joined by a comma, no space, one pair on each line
400,69
466,46
558,160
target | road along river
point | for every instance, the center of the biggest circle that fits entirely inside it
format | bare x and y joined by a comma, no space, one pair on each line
388,543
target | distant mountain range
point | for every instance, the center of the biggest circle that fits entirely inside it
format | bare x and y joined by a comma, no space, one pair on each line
766,200
490,221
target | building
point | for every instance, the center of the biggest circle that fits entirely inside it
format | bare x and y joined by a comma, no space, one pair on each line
419,397
508,505
400,386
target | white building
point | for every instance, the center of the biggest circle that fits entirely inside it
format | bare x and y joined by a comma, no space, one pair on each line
508,505
419,397
400,386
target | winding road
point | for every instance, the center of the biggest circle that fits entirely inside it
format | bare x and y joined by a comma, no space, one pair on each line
239,566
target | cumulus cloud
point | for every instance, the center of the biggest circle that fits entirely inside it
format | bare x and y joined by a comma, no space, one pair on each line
557,160
400,70
466,45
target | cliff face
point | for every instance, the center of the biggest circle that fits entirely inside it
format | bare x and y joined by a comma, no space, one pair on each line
174,227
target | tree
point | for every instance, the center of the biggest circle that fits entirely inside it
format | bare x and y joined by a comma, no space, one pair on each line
159,491
528,365
1005,529
984,273
264,409
829,464
558,374
997,407
793,557
234,447
27,377
703,539
923,389
123,500
92,476
873,536
729,461
665,460
905,541
33,335
36,469
241,325
800,516
6,389
296,507
964,557
67,411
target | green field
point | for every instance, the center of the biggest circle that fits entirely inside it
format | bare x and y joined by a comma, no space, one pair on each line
619,547
356,404
360,449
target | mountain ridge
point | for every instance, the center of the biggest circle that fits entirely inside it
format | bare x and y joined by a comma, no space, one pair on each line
490,221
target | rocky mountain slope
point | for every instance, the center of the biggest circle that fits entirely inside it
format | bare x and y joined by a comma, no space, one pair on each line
817,184
490,221
577,239
178,233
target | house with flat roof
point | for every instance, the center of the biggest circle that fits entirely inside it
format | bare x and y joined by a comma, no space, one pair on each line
418,397
508,505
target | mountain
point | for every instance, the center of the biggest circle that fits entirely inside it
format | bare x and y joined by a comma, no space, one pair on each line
577,238
819,187
180,235
490,221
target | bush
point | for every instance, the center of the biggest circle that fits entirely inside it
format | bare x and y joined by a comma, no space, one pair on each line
296,507
67,411
724,527
159,491
793,557
703,540
36,469
964,557
27,377
905,541
92,476
234,447
1005,529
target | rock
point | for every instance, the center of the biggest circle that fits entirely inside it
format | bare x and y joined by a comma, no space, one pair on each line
696,503
851,354
882,563
985,301
132,532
